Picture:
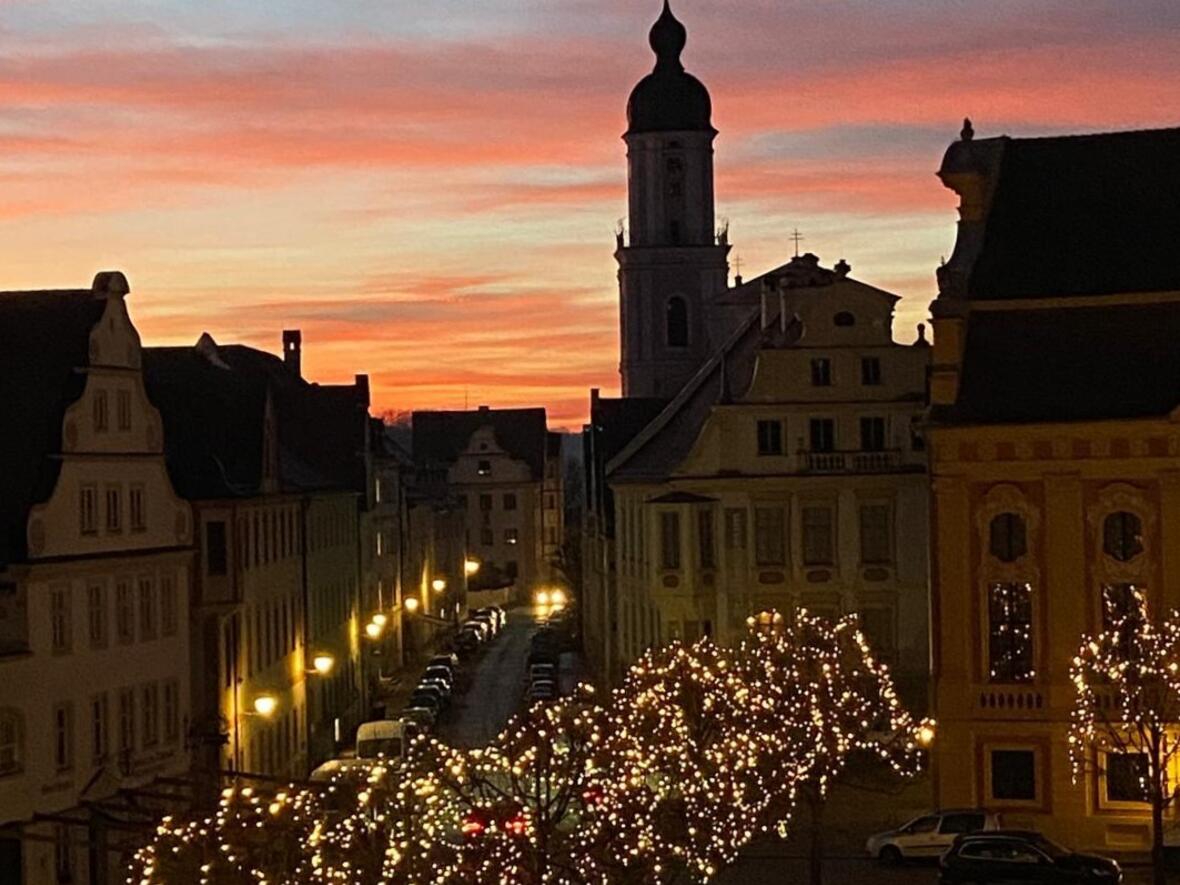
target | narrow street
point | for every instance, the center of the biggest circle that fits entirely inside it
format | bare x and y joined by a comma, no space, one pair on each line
496,685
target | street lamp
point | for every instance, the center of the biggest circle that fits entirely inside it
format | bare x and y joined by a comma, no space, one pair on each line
470,567
373,630
439,585
265,705
322,664
411,604
380,619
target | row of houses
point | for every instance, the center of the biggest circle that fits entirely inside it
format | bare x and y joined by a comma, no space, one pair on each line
982,500
205,560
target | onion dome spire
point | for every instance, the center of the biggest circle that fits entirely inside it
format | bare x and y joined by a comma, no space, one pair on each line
668,38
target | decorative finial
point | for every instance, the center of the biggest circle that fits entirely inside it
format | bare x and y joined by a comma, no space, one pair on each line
668,38
968,131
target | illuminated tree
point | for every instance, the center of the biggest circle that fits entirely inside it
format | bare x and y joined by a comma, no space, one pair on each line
1126,719
824,701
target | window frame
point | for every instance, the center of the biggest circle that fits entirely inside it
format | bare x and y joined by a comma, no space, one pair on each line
671,556
821,371
996,641
870,371
770,547
816,534
769,436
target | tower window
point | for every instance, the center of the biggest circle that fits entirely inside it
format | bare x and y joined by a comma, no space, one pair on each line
844,318
677,322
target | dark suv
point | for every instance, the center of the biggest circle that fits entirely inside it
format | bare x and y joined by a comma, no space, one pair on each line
1000,857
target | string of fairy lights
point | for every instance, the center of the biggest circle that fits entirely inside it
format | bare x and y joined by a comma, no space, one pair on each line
701,749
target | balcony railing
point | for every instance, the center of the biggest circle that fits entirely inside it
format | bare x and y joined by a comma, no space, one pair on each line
850,462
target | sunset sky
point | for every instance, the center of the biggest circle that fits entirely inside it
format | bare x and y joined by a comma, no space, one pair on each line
429,189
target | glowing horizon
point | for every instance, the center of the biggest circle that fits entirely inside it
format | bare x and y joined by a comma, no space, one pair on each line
430,193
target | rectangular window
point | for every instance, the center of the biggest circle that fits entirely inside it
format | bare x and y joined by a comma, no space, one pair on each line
822,434
705,542
821,372
59,618
1126,777
63,736
669,540
817,536
171,711
147,609
511,536
114,501
510,501
487,536
88,509
769,535
151,715
101,411
216,559
485,503
1014,775
99,728
127,721
770,437
168,609
96,615
735,529
123,409
876,534
135,508
872,434
124,612
484,468
1010,636
870,371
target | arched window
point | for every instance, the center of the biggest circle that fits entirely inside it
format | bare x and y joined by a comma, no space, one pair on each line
844,318
1007,539
1122,536
677,322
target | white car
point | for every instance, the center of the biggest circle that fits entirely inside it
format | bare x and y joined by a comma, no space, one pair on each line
929,835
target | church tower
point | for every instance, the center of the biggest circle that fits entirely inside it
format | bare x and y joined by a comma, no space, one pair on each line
672,264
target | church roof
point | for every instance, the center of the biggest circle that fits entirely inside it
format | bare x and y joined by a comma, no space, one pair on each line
1067,216
44,341
440,437
669,99
1069,364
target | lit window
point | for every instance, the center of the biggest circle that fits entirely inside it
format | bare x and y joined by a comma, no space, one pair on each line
1010,636
511,536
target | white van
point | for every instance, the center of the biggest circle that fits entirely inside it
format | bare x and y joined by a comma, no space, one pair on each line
384,737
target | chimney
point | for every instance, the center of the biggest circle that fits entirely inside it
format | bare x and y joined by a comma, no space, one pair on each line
293,351
737,280
362,389
842,268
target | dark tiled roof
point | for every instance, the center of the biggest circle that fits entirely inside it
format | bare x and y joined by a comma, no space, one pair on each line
616,422
439,437
1069,364
213,399
1074,215
44,338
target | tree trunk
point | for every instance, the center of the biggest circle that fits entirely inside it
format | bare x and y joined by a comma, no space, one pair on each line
815,854
1158,875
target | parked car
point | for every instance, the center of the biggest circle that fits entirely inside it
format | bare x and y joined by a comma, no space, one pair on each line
543,670
541,691
1006,857
482,630
438,671
496,615
929,835
429,697
449,660
467,641
489,621
384,737
424,717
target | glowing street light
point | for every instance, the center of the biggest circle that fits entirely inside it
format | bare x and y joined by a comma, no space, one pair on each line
380,619
557,598
439,585
411,603
542,597
373,630
470,566
323,663
266,704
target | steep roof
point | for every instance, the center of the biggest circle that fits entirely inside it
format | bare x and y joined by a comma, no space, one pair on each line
440,437
213,400
1069,216
616,422
44,341
1069,364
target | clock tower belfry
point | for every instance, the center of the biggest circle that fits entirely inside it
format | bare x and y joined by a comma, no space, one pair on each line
672,263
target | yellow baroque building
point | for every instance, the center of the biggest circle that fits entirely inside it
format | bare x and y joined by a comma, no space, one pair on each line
1053,454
